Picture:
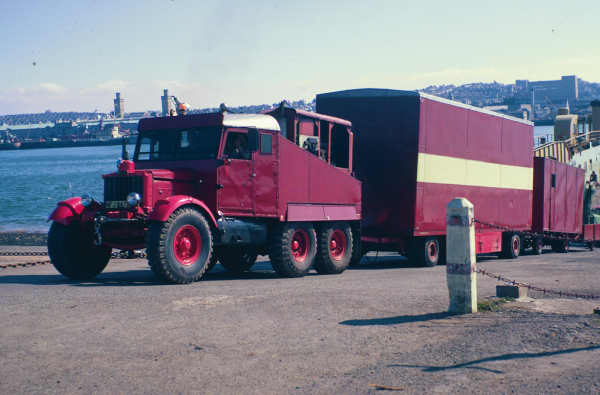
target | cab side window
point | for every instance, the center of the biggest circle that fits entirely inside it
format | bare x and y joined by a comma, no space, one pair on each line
266,143
236,146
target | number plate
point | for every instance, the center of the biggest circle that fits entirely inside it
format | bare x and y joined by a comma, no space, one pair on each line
116,204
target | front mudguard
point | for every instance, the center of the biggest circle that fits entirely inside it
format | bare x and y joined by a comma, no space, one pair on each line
165,207
71,210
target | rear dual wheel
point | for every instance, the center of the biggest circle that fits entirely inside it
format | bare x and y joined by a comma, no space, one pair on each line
292,248
335,243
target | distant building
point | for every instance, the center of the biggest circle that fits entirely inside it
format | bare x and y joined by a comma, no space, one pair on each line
119,107
166,103
550,92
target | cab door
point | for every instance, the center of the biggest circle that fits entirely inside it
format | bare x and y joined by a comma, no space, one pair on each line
265,179
235,177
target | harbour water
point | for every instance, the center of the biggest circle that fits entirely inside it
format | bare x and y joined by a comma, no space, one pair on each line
33,181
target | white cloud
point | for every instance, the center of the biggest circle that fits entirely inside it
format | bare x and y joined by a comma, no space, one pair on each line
52,87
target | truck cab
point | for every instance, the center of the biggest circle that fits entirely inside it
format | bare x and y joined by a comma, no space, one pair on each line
221,186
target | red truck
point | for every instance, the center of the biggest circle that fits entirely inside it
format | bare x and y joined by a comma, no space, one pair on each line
225,187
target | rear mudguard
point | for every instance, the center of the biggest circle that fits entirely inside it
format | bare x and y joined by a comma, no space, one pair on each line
165,207
67,211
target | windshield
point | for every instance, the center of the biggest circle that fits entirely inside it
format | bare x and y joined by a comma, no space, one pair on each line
187,144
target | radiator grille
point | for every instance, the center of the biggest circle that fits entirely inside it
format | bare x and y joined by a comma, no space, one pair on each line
118,187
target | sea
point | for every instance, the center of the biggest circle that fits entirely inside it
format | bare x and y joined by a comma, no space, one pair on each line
33,181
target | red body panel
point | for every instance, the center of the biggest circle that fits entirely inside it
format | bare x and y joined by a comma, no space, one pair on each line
558,207
304,178
319,212
591,232
67,210
393,128
503,207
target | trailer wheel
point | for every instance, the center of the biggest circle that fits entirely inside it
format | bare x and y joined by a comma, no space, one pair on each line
237,259
334,248
357,250
425,252
538,245
292,248
560,246
180,249
511,246
73,253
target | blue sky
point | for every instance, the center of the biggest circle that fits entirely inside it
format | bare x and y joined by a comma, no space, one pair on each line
252,52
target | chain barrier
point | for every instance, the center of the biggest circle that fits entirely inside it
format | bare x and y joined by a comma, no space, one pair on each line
534,288
26,264
23,253
122,254
129,254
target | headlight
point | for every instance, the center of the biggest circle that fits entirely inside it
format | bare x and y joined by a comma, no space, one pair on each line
86,200
133,199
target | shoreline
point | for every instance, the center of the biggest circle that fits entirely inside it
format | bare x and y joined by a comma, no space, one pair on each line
22,238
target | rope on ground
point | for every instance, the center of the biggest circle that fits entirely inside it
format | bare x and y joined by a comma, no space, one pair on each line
534,288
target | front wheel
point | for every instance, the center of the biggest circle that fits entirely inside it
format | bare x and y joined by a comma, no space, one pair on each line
334,248
292,248
73,253
180,249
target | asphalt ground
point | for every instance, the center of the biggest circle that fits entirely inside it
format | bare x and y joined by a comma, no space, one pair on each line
383,324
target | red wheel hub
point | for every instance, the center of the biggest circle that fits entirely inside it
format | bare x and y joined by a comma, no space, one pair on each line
300,245
187,245
337,245
515,245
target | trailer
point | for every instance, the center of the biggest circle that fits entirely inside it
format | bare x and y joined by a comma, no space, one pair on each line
415,152
558,200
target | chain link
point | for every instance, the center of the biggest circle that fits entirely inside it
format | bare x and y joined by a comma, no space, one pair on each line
534,288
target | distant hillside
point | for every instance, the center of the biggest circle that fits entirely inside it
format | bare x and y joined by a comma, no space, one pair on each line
477,93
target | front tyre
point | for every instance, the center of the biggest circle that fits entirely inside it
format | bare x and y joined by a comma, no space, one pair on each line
180,250
73,253
334,249
292,248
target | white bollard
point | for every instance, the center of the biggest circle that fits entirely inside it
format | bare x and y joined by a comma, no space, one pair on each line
460,257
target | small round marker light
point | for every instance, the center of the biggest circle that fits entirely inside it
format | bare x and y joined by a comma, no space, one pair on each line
133,199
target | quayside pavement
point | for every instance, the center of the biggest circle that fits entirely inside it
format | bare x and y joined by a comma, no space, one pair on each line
381,324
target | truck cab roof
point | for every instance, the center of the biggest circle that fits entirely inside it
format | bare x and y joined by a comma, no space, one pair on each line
258,121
